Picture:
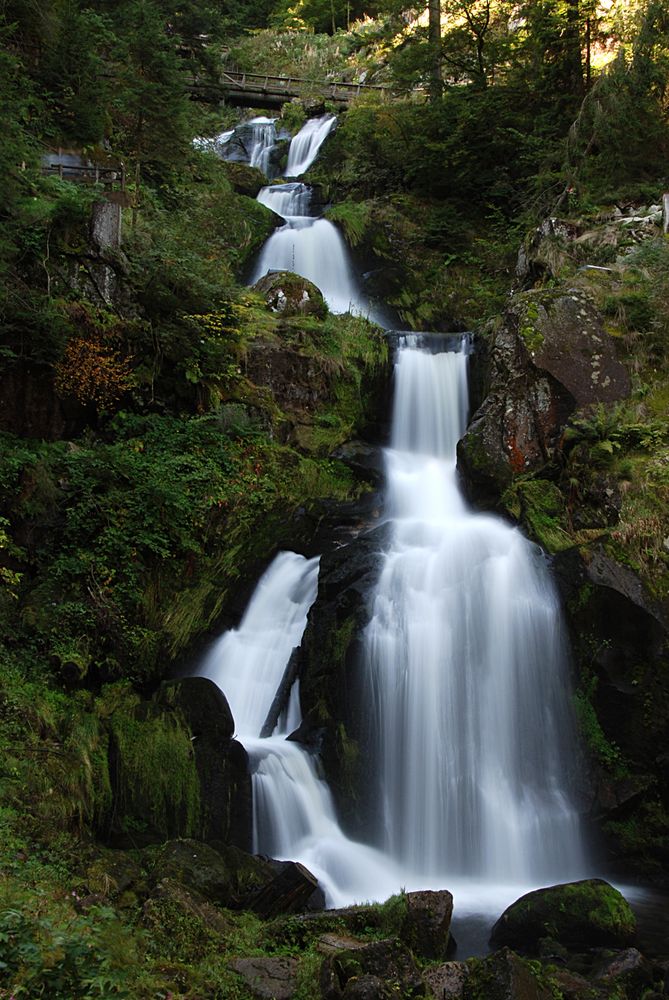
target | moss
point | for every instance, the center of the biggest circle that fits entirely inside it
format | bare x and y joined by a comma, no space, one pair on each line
155,778
541,506
528,330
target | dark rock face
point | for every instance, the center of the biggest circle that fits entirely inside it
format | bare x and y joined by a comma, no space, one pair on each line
382,969
427,924
268,978
571,344
330,674
221,874
221,762
549,356
519,424
504,976
291,295
296,380
579,915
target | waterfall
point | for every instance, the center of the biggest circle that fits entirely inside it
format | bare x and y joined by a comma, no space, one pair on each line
293,813
307,143
307,245
466,667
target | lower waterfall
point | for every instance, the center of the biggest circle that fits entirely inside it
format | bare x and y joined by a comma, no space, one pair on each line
466,681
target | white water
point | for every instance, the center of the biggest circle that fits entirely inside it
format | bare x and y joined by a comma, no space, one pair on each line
467,678
307,245
306,145
293,812
466,689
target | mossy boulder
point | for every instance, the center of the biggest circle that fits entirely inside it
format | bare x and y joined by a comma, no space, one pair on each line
244,178
222,878
291,295
579,915
384,970
504,976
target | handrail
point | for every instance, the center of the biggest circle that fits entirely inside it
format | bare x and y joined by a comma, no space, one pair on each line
240,78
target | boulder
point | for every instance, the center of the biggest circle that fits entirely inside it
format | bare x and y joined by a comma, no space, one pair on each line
579,915
447,981
629,965
427,923
291,295
386,967
288,892
221,761
504,976
227,879
268,978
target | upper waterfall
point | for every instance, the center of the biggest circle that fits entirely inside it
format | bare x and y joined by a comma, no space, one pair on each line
306,145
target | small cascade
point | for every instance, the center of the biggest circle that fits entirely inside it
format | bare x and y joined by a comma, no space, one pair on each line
307,143
253,142
293,813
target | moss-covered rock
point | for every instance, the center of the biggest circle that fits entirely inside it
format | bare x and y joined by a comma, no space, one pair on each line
291,295
579,915
504,976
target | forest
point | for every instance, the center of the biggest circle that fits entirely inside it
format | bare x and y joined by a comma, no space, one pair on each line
498,174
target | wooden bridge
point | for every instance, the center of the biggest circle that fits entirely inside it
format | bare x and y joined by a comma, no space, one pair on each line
255,90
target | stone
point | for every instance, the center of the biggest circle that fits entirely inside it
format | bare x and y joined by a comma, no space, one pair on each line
625,964
221,761
503,976
291,295
447,981
190,904
579,915
427,923
245,179
571,985
268,978
288,892
385,966
228,877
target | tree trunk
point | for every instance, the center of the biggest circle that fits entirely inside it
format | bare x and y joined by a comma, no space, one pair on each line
434,35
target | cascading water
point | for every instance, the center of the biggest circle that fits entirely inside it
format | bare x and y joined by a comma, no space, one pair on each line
466,672
293,813
466,689
307,244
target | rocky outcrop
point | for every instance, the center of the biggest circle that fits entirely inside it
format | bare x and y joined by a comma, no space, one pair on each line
578,915
427,923
504,976
548,356
329,667
268,978
221,761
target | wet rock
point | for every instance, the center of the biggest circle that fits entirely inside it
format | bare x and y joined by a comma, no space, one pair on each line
288,892
291,295
447,981
268,978
385,966
297,381
579,915
221,761
332,703
504,976
428,919
518,426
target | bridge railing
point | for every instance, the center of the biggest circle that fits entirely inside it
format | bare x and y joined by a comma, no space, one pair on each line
292,84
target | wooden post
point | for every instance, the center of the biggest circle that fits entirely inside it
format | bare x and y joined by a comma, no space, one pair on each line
665,211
